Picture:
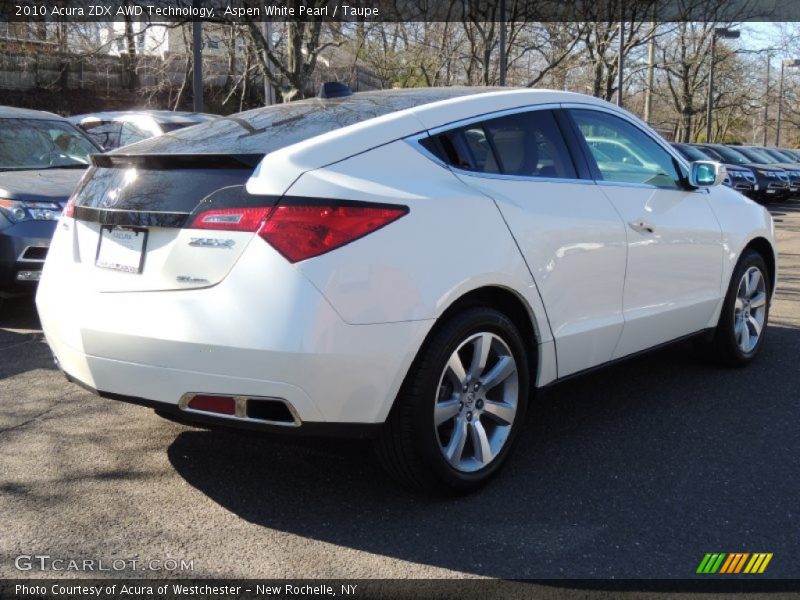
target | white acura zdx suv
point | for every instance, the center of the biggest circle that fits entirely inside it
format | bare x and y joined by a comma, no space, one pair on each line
403,264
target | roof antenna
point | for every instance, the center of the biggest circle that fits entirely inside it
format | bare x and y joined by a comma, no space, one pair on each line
334,89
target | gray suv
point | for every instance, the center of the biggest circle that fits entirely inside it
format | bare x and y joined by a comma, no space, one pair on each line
42,158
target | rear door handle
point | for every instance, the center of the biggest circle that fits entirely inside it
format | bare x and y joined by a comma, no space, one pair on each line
641,226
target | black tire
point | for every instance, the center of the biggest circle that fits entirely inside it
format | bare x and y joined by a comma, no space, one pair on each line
409,446
724,347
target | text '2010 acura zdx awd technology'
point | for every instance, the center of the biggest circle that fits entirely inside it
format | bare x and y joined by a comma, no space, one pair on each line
406,264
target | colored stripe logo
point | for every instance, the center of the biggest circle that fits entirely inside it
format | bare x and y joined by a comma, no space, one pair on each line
733,563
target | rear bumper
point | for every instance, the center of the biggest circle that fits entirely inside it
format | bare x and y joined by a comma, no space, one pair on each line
174,413
164,386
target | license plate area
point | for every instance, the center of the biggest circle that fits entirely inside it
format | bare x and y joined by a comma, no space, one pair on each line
121,249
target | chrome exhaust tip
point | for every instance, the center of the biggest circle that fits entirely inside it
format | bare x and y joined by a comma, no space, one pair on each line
257,409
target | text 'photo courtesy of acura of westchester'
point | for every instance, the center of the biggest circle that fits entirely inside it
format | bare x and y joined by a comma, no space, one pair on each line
407,265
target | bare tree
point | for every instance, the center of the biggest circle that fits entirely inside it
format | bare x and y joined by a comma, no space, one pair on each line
304,43
600,40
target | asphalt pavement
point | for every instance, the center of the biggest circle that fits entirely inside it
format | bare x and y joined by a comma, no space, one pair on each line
635,471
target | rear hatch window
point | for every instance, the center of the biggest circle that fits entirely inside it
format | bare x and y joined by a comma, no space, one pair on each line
148,201
172,193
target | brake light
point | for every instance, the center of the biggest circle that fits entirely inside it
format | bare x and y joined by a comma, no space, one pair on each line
224,405
232,219
303,231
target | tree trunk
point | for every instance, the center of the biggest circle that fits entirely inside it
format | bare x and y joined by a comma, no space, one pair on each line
129,59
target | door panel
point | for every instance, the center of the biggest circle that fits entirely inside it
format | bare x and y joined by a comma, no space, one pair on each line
674,272
675,255
570,235
574,243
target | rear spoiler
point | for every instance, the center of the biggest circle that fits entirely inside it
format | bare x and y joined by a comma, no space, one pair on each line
177,161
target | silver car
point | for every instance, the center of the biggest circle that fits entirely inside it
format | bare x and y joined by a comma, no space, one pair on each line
112,129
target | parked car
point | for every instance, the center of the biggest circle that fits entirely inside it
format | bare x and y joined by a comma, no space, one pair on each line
761,156
42,157
408,265
742,179
781,155
793,153
113,129
772,182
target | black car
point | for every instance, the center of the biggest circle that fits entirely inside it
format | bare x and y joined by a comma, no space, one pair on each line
782,155
792,153
762,156
42,158
742,179
772,183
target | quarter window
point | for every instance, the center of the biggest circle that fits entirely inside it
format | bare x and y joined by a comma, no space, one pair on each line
526,144
105,133
624,153
131,133
479,149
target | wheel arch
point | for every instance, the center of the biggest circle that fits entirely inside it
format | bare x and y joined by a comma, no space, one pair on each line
766,250
501,298
511,304
506,301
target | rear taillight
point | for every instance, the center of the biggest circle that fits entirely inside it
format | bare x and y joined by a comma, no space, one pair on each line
303,231
69,209
300,231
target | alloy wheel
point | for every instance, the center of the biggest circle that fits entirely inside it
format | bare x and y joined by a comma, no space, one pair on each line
477,401
750,309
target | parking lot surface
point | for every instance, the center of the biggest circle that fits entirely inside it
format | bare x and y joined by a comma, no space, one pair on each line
635,471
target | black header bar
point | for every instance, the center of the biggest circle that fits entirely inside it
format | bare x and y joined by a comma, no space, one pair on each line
239,11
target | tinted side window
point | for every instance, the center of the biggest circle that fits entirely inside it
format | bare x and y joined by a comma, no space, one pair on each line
713,153
530,144
105,133
527,144
465,148
623,152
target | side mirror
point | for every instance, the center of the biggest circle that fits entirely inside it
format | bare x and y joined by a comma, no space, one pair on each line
706,173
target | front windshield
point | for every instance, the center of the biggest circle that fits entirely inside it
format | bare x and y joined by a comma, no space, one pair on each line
779,155
42,144
757,156
732,156
793,153
693,153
